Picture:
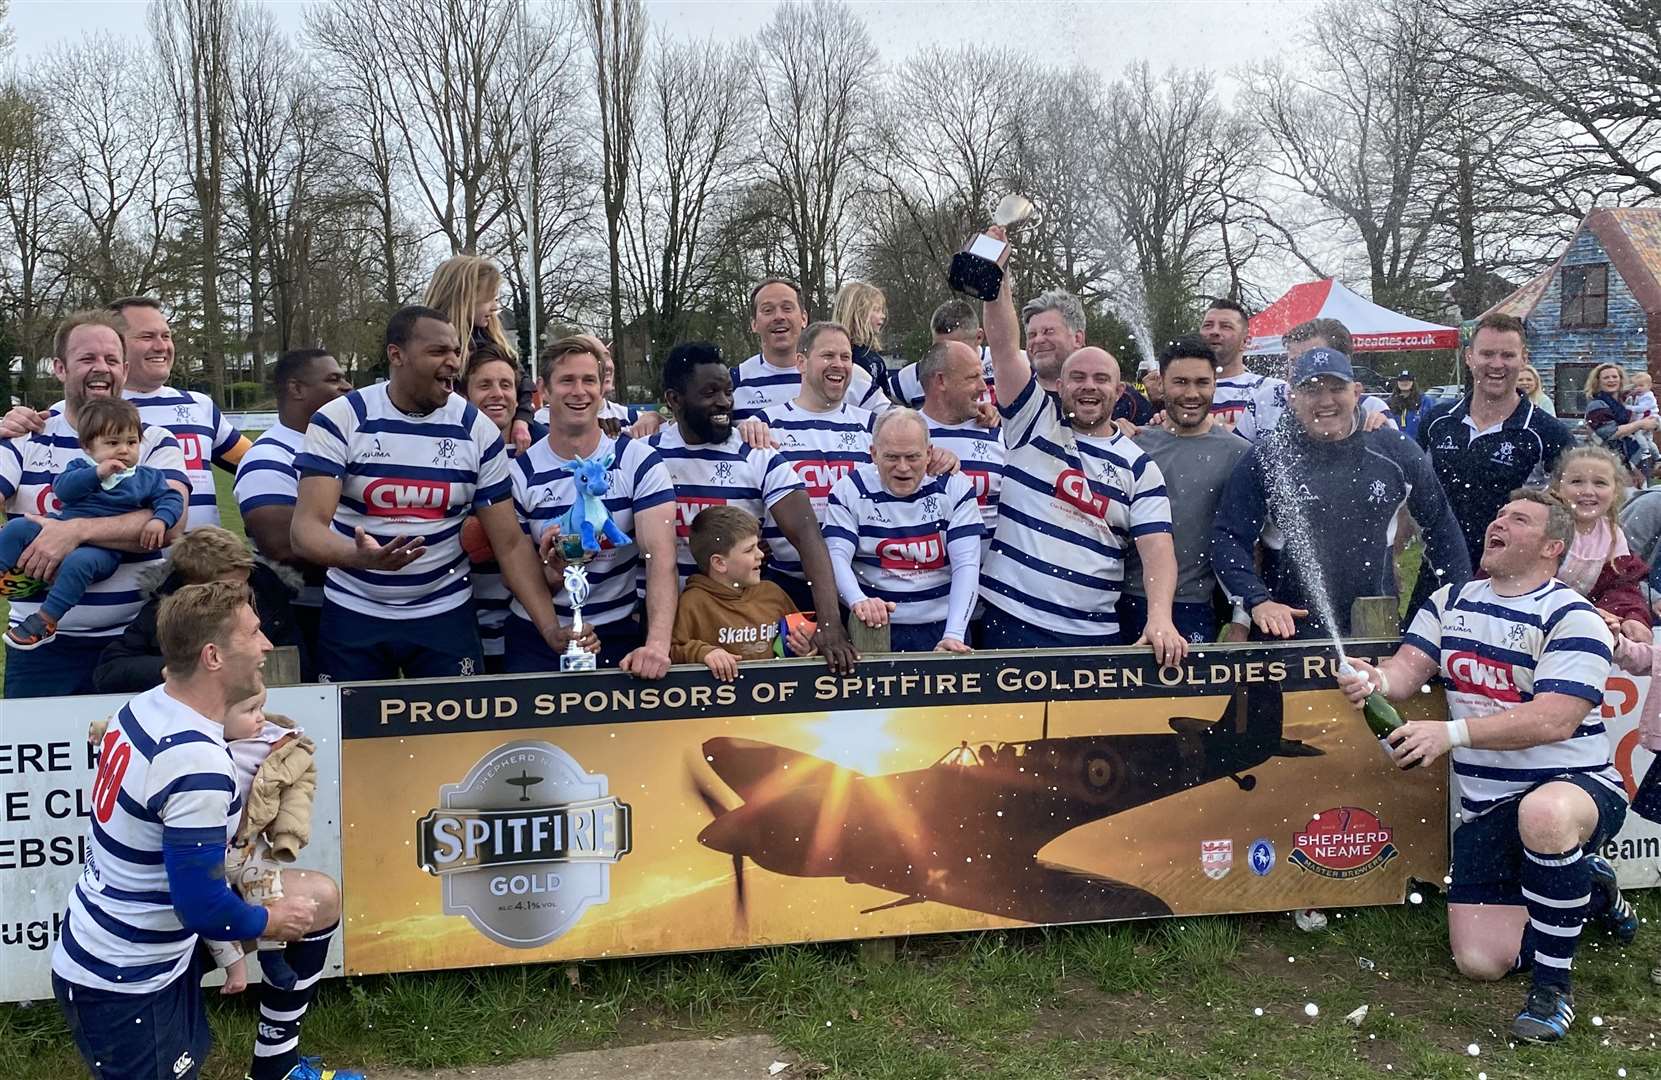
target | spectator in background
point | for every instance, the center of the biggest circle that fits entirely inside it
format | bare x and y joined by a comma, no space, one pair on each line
778,315
467,289
1153,385
1250,404
1196,454
133,661
1322,493
1599,565
268,484
955,320
1490,441
1408,406
1132,408
1614,426
905,545
1333,334
1533,390
90,360
864,311
491,382
640,498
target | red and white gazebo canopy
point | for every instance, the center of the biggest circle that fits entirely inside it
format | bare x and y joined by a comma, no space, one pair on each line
1374,328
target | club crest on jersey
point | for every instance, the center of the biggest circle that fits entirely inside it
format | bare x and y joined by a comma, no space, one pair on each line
446,452
181,414
1470,673
820,476
393,497
1072,488
1377,493
724,472
1505,454
912,552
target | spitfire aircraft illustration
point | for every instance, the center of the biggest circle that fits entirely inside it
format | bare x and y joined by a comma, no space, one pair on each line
966,831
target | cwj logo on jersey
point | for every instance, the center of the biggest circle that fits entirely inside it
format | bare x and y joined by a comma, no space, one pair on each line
393,498
912,552
524,843
1473,674
1073,488
820,476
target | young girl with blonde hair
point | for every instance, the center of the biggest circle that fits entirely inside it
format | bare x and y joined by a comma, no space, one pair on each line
467,288
863,309
1599,565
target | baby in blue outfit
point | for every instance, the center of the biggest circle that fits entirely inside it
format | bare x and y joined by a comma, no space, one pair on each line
112,483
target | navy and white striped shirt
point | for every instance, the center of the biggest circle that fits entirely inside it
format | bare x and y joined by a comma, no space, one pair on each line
267,476
543,490
405,475
163,768
907,549
980,456
28,464
821,448
204,437
1497,652
758,386
732,473
1070,507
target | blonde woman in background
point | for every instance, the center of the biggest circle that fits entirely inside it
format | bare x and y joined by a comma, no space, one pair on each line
467,289
864,310
1528,382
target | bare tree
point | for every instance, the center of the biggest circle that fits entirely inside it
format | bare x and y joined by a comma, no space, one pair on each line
690,142
813,79
617,41
30,277
193,43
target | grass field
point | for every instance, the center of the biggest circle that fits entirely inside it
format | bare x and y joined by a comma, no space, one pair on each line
1208,998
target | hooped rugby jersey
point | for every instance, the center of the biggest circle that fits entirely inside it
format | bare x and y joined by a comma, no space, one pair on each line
204,437
821,448
1069,508
906,549
732,473
543,490
267,476
404,475
1252,403
758,386
28,464
1496,652
908,388
161,765
980,455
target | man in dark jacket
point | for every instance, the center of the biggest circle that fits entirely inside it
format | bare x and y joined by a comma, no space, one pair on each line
133,661
1323,495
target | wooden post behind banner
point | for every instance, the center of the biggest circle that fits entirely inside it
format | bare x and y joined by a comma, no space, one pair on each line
282,666
867,641
1375,617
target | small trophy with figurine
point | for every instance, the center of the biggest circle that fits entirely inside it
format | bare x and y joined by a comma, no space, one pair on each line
975,270
575,657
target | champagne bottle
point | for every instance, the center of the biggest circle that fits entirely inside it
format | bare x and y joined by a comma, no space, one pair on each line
1382,717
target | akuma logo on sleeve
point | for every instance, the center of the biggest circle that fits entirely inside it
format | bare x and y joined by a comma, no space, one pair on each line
395,497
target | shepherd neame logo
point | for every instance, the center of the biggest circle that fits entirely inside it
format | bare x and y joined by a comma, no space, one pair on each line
524,843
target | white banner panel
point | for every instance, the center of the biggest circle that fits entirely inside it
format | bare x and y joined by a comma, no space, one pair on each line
1636,851
46,770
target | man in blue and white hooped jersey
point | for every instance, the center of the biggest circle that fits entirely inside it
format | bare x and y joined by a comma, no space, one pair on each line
906,545
388,477
773,376
90,360
127,970
268,483
1524,658
1076,494
949,375
641,501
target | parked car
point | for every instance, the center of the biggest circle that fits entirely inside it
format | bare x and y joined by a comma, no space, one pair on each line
1374,383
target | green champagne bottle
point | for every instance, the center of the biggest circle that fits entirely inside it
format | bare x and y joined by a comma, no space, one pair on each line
1382,717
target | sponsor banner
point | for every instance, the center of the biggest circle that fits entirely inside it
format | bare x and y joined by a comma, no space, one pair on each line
517,820
46,773
1636,850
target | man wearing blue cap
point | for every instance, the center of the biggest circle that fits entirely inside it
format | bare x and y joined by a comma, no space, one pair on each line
1322,495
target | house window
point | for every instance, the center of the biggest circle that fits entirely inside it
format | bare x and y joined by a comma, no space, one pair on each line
1585,296
1569,388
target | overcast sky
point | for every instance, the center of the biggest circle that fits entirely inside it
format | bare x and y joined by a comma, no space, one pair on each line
1107,34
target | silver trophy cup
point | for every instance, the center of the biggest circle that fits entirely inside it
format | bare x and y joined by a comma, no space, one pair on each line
575,657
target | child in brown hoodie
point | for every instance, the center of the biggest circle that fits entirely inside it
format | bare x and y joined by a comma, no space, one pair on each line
727,613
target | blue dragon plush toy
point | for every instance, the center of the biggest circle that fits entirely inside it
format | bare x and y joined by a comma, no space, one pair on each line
587,522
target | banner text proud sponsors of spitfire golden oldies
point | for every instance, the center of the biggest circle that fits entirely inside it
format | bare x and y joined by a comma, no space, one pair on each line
402,709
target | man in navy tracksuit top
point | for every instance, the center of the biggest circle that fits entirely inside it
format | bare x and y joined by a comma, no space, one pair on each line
1321,491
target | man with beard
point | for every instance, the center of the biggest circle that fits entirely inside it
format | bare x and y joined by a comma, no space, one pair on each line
1196,454
1250,404
90,359
268,484
1076,495
388,477
772,376
126,970
1492,439
712,465
1323,494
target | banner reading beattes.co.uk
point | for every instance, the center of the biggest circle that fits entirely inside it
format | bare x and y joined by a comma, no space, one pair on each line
517,820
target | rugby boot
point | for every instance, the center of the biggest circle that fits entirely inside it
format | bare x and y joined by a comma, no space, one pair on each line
1615,911
312,1069
1546,1015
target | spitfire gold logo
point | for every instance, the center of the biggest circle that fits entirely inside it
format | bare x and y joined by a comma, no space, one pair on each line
524,844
